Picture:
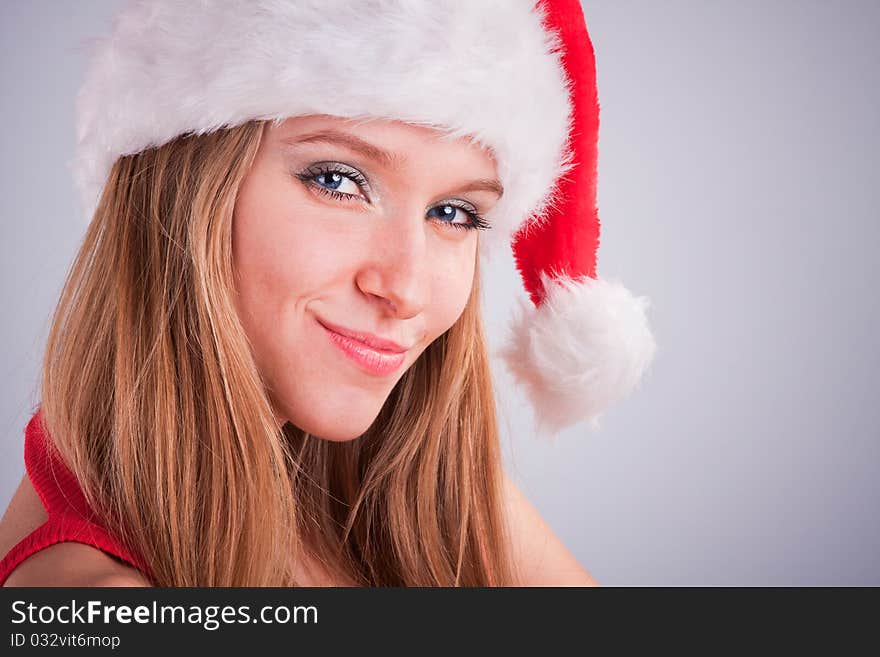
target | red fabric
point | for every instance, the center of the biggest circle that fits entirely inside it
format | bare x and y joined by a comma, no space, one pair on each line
566,241
70,518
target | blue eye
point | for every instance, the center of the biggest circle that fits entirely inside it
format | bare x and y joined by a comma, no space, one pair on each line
448,210
333,179
327,178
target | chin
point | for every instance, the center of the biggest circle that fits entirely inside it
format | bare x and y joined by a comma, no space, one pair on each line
335,410
335,432
335,426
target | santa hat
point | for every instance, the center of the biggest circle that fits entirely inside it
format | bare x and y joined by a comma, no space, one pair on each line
515,76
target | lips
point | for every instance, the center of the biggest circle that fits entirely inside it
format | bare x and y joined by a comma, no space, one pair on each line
370,359
372,341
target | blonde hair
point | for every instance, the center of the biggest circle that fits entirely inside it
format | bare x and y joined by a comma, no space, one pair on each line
152,396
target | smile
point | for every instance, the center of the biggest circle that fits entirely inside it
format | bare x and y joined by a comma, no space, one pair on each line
372,361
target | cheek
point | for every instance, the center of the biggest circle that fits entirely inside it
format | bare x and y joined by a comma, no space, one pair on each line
281,247
280,256
451,289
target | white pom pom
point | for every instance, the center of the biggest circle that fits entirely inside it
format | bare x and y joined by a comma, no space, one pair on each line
585,347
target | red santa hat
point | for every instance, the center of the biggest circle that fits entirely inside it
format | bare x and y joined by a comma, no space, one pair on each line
514,76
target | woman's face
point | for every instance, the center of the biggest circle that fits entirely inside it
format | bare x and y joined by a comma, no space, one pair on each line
360,228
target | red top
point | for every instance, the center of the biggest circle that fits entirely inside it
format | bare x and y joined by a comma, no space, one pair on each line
70,517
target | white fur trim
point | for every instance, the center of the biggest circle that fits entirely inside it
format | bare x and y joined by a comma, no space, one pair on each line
586,346
480,68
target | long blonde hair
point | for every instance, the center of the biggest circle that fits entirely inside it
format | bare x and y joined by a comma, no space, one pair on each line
152,396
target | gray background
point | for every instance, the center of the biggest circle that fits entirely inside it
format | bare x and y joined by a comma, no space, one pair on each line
738,190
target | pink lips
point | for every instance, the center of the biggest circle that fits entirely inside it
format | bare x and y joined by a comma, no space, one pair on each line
374,360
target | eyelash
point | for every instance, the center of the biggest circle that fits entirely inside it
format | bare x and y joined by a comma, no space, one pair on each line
308,177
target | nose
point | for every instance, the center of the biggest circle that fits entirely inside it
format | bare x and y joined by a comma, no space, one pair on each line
398,267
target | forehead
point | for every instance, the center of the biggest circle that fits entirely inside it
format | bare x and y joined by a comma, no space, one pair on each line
393,144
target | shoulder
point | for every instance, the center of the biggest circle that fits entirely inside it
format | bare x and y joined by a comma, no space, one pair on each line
539,556
74,564
61,564
23,515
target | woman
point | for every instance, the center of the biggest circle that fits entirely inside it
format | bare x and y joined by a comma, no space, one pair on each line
268,365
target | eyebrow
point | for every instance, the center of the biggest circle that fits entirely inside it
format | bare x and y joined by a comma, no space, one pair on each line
385,158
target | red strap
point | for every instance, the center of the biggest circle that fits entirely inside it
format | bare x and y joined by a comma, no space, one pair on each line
52,479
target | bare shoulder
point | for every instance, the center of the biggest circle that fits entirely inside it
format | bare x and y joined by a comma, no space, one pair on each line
540,558
74,564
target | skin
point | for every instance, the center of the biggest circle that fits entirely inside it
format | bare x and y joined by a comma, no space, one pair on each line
392,265
387,264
